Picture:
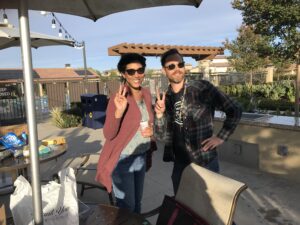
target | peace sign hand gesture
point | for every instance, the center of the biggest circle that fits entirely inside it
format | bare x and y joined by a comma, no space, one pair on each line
160,105
120,102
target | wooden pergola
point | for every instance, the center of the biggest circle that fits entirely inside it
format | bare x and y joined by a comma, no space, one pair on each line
196,52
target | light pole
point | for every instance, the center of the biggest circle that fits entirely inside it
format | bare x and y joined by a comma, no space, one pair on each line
85,67
81,45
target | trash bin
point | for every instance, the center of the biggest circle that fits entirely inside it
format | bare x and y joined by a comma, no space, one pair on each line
93,107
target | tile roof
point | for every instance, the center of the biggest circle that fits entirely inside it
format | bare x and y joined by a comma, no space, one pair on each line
13,74
47,73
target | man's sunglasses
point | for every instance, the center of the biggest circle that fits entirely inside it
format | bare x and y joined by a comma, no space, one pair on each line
173,66
131,72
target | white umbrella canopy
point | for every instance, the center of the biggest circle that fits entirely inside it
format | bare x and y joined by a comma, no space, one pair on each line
92,9
10,37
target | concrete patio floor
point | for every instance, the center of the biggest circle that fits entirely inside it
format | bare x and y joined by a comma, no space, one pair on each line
269,200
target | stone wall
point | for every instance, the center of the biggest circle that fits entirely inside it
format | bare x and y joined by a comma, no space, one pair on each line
270,149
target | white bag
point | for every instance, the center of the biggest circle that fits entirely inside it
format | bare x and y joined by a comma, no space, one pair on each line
59,201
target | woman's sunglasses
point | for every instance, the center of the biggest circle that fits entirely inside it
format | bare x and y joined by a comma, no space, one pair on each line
173,66
131,72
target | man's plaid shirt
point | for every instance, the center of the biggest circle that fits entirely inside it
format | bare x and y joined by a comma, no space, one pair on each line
200,101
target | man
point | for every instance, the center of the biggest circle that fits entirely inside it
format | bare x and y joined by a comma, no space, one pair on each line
184,118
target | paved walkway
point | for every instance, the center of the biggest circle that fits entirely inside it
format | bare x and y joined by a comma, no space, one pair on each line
269,200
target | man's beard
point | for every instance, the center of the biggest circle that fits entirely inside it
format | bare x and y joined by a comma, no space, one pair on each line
176,80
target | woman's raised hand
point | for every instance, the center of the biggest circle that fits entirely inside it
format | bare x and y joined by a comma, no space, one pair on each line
120,101
160,105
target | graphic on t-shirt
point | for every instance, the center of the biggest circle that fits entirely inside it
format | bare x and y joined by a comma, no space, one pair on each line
178,112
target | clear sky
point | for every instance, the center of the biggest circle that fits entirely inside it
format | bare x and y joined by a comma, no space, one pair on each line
207,25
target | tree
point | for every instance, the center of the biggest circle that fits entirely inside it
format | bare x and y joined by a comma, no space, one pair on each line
281,66
95,71
278,20
246,51
149,72
114,73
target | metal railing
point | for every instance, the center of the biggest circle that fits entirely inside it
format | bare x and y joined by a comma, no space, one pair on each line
13,111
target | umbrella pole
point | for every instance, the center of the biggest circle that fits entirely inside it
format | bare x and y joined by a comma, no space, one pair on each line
30,111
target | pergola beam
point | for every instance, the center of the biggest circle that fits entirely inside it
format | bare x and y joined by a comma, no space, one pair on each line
196,52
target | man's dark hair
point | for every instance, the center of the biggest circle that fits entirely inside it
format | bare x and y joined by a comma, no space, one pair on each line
165,55
130,58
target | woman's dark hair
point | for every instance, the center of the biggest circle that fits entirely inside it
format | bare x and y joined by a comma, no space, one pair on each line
130,58
165,55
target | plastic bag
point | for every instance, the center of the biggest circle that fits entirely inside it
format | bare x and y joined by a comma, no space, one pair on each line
11,141
59,201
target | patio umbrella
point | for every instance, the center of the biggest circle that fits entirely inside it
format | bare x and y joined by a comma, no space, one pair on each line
93,9
10,37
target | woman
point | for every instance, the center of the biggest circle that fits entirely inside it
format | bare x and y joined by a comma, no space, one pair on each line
122,162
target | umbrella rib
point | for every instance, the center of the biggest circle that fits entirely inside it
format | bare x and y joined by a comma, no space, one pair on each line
12,39
90,10
58,42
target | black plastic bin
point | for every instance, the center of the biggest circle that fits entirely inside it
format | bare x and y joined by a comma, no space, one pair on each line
93,107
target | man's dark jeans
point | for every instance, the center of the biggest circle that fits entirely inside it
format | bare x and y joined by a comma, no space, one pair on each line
179,167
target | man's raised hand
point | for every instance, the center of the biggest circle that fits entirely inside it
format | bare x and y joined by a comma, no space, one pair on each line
160,105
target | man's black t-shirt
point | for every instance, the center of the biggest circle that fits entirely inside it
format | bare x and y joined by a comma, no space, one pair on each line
179,148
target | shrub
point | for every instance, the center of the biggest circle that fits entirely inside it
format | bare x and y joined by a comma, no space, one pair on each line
57,117
75,110
275,91
279,105
71,120
247,104
62,119
278,96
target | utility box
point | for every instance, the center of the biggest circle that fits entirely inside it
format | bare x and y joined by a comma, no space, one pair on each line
93,107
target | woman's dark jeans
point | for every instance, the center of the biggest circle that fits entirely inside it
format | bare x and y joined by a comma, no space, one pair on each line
128,181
